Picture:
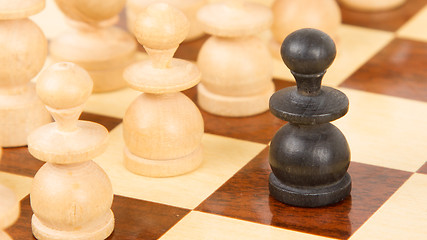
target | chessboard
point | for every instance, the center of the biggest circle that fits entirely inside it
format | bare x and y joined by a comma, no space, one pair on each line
381,66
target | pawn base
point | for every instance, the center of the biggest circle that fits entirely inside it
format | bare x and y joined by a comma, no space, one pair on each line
9,207
310,197
162,168
230,106
99,231
372,6
20,115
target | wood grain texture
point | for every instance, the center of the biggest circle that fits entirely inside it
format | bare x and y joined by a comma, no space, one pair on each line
107,122
390,20
199,225
423,169
403,216
246,194
20,161
190,50
135,219
374,127
397,70
222,158
259,128
415,27
248,189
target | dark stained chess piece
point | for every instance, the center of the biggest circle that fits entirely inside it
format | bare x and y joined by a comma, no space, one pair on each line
309,156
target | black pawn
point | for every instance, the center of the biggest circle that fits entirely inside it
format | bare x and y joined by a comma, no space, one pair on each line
309,156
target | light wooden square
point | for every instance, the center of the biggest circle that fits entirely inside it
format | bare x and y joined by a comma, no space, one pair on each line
403,216
198,225
416,27
222,158
19,184
355,46
385,131
112,104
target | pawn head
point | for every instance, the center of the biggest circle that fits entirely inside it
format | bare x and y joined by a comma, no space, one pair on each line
64,85
91,10
161,27
308,51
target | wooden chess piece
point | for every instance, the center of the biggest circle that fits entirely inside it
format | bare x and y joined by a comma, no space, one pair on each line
23,53
9,209
94,43
188,7
71,195
162,128
291,15
309,156
372,6
236,66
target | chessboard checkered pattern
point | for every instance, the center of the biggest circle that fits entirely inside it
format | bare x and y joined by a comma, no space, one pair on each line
382,67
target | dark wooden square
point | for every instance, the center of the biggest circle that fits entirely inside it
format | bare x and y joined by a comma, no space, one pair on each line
423,169
397,70
259,128
246,196
135,219
20,161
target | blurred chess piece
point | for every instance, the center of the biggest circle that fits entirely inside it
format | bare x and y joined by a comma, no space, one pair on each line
236,65
372,6
71,195
162,128
188,7
94,43
23,53
291,15
9,209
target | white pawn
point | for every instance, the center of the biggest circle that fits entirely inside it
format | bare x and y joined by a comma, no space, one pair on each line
94,43
22,55
372,6
188,7
9,209
236,65
162,128
292,15
71,195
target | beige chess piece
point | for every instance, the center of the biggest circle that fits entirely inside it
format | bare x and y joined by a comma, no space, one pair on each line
9,209
372,6
236,65
23,53
291,15
188,7
94,43
71,195
162,128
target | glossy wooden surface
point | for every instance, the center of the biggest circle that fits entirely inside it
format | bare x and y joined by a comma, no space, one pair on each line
259,128
398,70
338,221
244,196
135,219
